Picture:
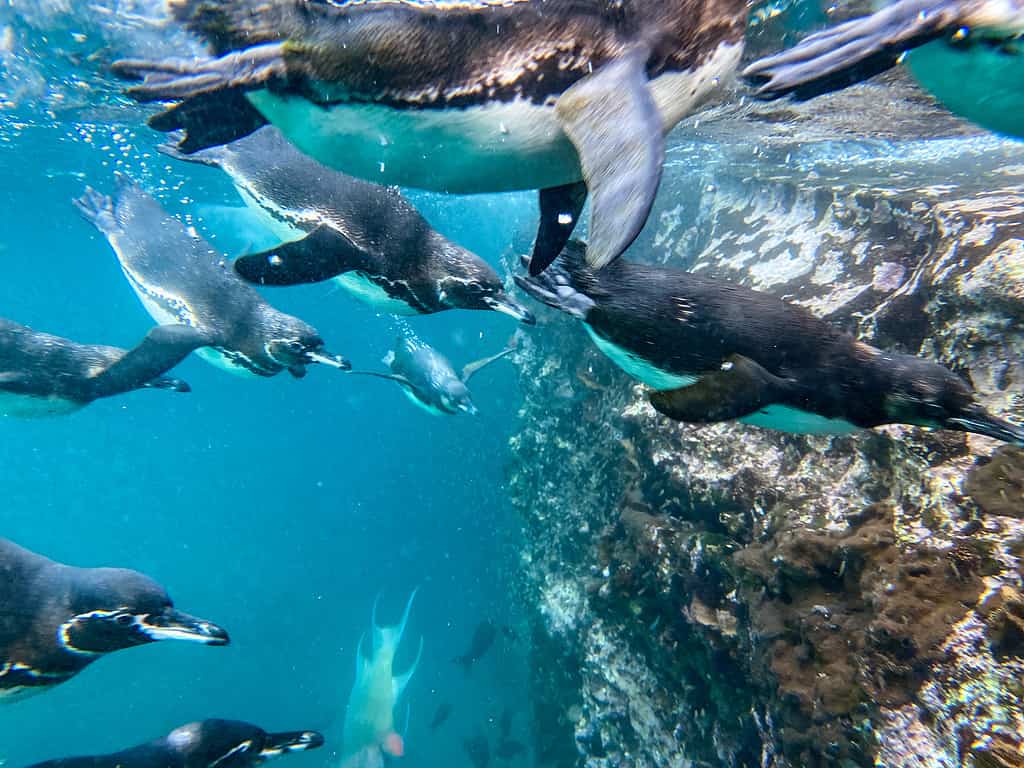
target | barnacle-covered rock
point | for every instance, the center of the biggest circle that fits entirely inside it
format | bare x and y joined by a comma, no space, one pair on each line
741,597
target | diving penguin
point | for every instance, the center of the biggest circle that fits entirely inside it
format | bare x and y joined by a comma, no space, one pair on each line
564,96
714,351
205,744
428,379
180,278
55,620
369,238
973,65
45,375
369,730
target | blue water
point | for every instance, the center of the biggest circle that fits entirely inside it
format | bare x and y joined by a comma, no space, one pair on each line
277,508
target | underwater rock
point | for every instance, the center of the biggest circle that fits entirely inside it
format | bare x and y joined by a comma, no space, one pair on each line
727,596
998,485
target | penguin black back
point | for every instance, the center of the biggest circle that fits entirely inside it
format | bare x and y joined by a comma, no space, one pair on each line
206,744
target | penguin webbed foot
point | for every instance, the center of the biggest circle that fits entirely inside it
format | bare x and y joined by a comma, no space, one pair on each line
210,107
739,388
612,120
849,53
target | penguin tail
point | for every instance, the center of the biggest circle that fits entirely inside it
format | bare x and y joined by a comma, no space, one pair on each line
559,286
849,53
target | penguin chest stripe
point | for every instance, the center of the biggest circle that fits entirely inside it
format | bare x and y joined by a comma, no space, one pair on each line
162,306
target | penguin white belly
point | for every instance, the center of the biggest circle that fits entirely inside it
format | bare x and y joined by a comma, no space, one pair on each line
495,147
33,406
368,292
637,367
786,419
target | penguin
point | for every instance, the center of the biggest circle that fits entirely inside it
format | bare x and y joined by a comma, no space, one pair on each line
369,238
55,620
205,744
180,278
570,97
428,379
972,61
45,375
714,351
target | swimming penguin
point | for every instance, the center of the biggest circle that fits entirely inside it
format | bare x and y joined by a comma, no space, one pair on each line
429,380
180,278
55,620
44,375
564,96
206,744
714,351
369,238
972,63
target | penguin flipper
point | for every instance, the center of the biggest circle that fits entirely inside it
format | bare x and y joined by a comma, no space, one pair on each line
835,58
322,254
560,209
739,388
163,348
472,368
211,106
612,120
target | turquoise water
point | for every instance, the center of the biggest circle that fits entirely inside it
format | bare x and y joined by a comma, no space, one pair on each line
277,508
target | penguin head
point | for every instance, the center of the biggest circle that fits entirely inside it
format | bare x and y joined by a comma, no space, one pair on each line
472,284
455,397
234,744
114,608
295,345
926,394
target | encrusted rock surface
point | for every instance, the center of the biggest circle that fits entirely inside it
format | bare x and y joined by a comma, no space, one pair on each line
729,596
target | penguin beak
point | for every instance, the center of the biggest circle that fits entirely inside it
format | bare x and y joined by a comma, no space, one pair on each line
507,306
172,624
977,419
293,741
326,358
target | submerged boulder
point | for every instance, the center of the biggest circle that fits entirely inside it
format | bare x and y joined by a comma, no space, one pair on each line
728,596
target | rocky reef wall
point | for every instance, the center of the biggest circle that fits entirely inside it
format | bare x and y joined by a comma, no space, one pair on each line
728,596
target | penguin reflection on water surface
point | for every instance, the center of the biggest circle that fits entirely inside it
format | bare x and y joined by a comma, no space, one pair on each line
428,379
182,279
368,238
206,744
45,375
571,97
715,351
55,620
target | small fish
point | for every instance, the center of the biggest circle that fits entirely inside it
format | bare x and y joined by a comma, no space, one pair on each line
505,724
444,710
483,639
478,750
